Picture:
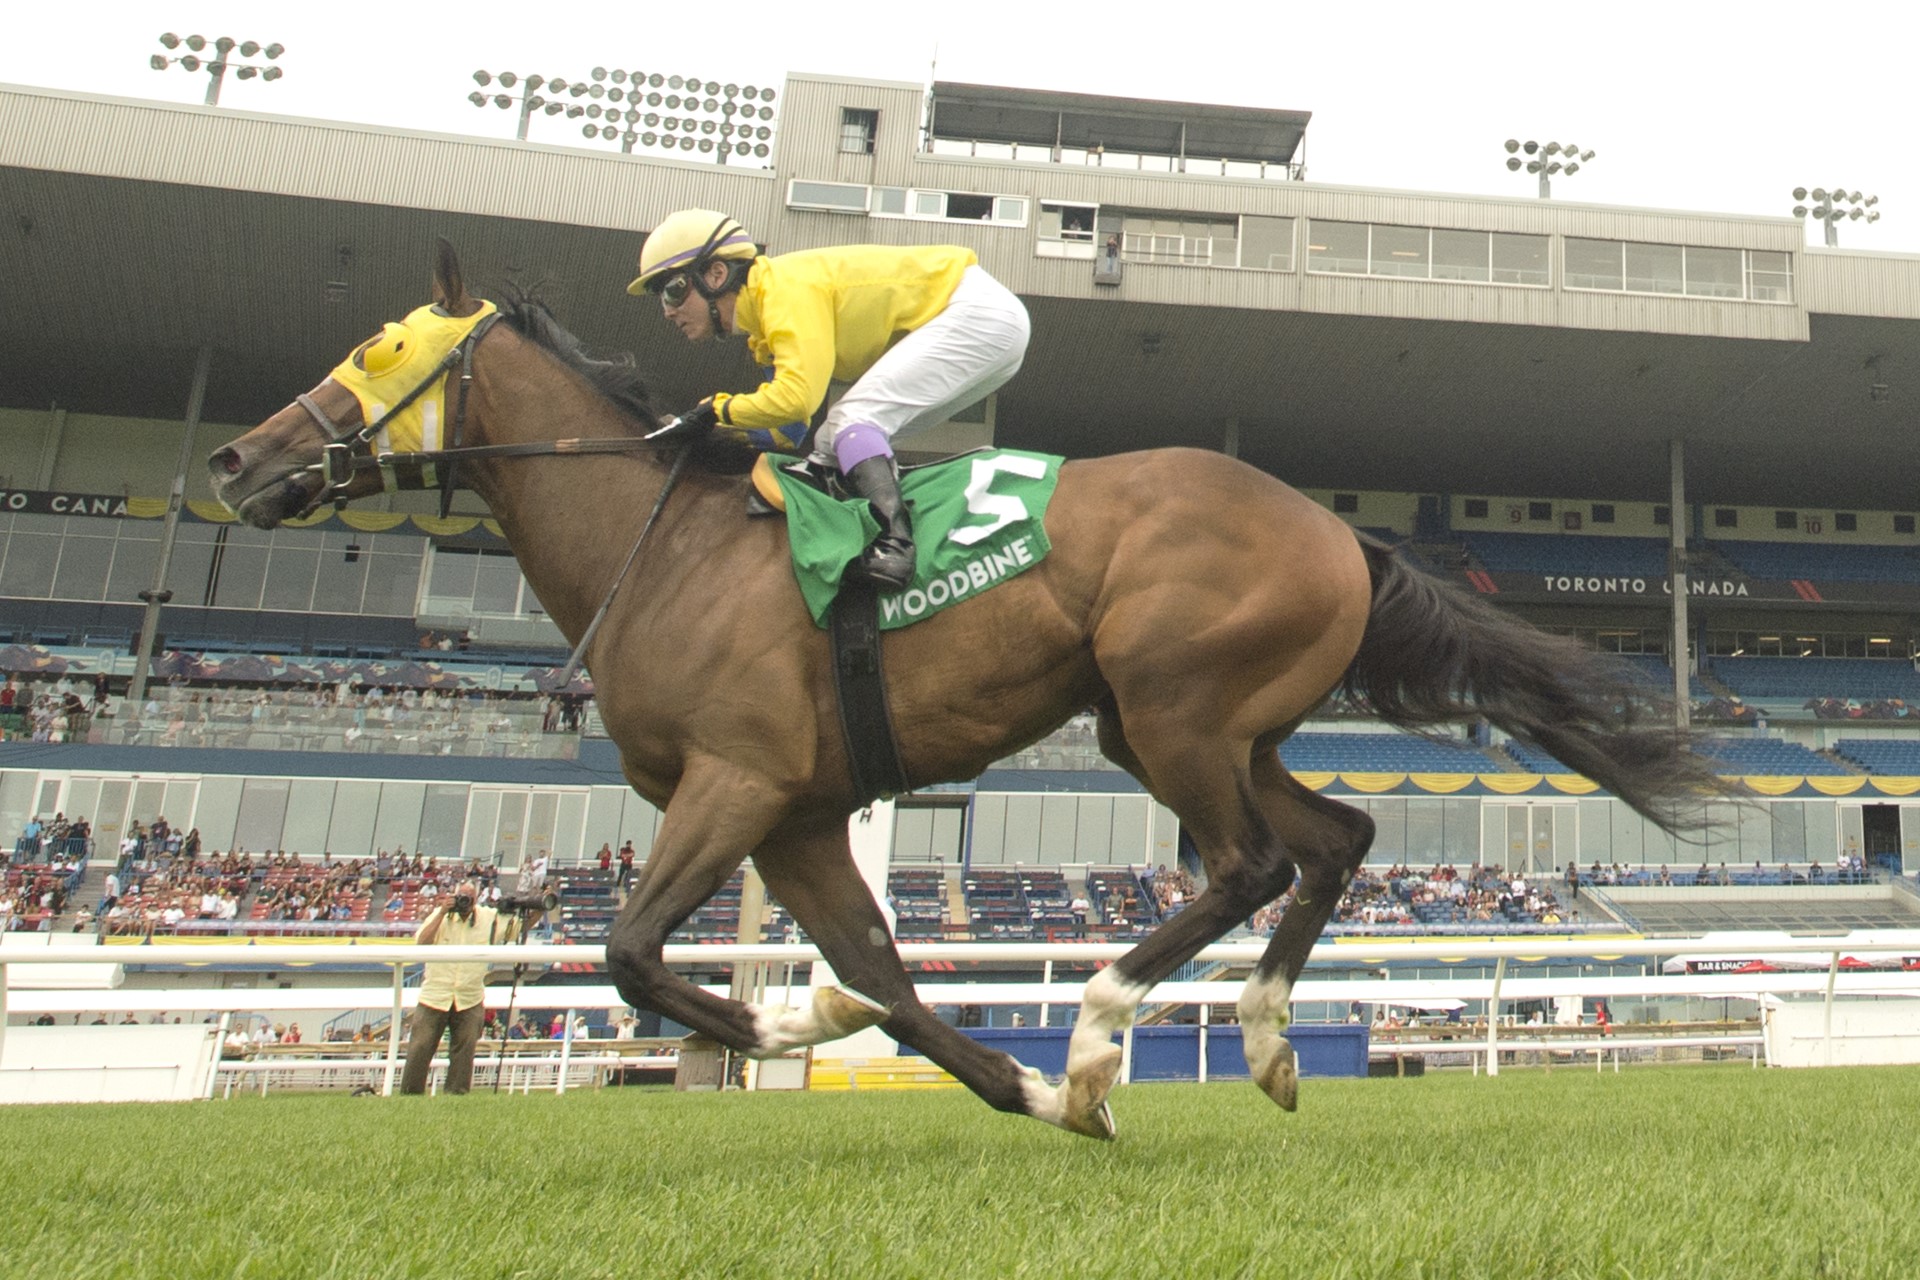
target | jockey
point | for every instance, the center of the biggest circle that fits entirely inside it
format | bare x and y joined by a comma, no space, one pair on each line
919,330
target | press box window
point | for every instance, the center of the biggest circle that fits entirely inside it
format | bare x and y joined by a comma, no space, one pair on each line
1539,511
831,197
1846,522
1903,524
1603,513
1346,504
857,130
1726,518
1786,519
1475,508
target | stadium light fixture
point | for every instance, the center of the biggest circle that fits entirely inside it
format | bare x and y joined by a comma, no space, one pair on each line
221,60
530,99
1831,208
1546,159
675,113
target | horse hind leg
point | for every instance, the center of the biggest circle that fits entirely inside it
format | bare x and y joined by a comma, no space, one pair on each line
1329,840
1247,867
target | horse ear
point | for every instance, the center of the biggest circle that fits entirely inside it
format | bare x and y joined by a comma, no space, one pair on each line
449,289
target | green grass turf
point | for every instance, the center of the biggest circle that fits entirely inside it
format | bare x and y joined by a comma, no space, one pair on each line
1654,1172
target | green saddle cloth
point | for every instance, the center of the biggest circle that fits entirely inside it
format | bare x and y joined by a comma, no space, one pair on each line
978,519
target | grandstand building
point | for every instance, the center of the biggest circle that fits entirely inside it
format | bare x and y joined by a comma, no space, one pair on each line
1667,432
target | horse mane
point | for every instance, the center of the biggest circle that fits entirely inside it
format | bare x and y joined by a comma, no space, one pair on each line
618,379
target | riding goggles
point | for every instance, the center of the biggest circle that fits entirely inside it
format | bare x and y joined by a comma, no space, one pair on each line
674,290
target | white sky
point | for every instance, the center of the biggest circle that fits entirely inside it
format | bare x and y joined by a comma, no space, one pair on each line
1690,104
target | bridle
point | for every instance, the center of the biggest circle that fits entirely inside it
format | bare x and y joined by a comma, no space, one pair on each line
349,451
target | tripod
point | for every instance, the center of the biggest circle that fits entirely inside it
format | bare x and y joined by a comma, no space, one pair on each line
513,994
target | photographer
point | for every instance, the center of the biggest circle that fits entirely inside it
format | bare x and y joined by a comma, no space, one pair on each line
454,995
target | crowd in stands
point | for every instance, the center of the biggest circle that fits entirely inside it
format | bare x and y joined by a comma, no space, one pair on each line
1858,708
48,710
1440,895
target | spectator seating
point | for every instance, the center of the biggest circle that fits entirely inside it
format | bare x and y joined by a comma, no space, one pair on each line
1896,757
1580,555
919,901
1796,678
996,905
1383,752
1766,756
1137,911
588,902
1832,562
1049,901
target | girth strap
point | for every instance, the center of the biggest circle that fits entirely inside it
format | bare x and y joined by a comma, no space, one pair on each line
860,686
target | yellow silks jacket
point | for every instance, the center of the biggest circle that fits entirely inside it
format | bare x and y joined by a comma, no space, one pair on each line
820,314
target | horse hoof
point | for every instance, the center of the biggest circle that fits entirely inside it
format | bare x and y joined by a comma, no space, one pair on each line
842,1012
1280,1078
1087,1088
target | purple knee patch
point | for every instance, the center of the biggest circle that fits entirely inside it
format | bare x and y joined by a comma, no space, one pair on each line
858,442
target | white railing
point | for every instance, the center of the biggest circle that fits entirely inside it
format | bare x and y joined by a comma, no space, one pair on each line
1833,980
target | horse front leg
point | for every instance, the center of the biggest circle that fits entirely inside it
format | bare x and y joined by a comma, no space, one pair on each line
718,815
810,869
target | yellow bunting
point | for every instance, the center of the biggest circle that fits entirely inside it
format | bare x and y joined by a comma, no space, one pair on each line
209,510
1442,783
373,521
492,527
1769,786
1894,786
1314,780
1828,786
1373,783
1572,784
147,508
450,527
1509,784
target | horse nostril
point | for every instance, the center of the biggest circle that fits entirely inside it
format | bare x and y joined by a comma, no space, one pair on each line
228,460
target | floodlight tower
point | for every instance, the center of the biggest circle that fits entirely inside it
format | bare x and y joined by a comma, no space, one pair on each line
529,100
217,64
707,117
1834,207
1541,159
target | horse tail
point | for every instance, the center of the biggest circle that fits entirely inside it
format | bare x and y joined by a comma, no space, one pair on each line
1432,655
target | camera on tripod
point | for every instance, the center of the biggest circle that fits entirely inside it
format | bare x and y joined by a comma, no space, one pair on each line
528,903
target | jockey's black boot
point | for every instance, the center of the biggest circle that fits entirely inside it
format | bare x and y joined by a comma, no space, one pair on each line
890,560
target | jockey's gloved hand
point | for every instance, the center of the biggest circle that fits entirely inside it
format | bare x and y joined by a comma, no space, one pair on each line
691,425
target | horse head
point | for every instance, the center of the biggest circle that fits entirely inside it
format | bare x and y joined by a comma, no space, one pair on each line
390,388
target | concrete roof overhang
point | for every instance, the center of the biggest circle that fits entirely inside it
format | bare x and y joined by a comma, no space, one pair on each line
102,321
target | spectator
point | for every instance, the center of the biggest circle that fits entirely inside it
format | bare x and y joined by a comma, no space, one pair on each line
453,995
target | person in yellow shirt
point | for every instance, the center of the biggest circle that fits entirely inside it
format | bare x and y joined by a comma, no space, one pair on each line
453,995
918,330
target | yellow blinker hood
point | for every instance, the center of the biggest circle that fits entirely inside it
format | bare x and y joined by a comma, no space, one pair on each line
384,368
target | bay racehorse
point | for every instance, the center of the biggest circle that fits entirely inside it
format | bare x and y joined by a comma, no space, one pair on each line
1202,607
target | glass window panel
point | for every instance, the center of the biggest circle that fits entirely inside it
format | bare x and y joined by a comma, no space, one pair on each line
889,200
28,570
1772,276
497,586
243,570
1655,268
393,585
1594,264
83,568
1461,255
134,560
1009,209
290,576
1713,273
189,569
932,204
1266,244
1048,224
339,584
451,574
442,819
1337,246
840,196
1400,251
1520,259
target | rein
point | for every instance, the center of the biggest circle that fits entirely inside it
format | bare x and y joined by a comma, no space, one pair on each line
349,452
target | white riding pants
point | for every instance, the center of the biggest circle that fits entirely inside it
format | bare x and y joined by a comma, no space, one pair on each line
953,360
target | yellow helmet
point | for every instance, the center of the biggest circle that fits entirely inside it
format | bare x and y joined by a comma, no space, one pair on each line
690,238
